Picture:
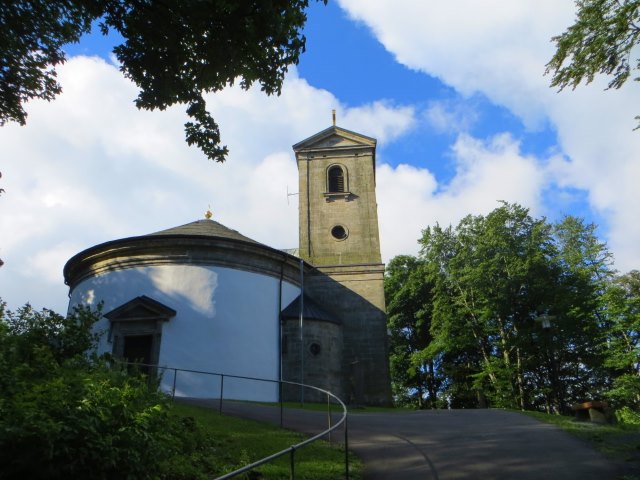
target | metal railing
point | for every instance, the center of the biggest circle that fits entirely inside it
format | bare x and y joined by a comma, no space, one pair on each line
287,451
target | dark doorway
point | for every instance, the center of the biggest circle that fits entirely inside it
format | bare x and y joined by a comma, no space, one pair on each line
137,348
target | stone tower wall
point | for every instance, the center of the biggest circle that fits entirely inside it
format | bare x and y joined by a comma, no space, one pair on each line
321,210
352,290
349,274
322,352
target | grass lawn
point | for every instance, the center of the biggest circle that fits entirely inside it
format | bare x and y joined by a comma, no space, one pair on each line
618,442
239,442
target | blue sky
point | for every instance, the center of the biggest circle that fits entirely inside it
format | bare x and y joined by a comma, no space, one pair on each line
453,91
361,56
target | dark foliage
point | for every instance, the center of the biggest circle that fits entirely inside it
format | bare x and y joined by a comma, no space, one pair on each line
66,414
174,50
510,311
601,41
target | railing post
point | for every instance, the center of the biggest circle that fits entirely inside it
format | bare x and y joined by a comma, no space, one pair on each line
173,389
292,474
281,405
221,393
329,416
346,447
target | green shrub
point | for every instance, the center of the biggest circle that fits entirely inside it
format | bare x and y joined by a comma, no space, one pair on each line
65,414
83,423
626,416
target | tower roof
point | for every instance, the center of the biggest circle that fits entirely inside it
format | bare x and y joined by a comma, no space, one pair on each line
335,137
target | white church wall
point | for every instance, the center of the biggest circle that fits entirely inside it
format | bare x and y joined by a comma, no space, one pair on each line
227,322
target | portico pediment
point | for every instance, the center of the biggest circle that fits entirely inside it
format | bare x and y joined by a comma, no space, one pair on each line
140,309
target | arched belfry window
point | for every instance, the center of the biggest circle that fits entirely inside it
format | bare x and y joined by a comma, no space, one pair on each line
336,179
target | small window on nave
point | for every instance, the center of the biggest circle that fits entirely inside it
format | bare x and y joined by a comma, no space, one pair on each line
336,179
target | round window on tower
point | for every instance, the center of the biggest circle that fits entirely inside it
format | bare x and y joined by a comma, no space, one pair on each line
339,232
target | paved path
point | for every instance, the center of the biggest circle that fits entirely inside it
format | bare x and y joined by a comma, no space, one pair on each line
456,444
472,444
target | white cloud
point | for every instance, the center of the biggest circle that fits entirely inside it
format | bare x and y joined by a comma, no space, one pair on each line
381,120
495,171
495,47
89,168
499,49
450,116
404,195
47,264
486,173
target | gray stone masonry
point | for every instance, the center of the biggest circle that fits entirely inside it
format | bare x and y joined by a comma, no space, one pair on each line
348,290
355,209
348,278
322,359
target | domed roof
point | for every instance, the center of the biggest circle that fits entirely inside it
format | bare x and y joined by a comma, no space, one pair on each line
203,242
203,228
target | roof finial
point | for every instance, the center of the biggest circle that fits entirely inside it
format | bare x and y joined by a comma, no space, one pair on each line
333,114
208,214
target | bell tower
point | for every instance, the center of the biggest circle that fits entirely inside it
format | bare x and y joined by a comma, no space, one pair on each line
338,210
339,237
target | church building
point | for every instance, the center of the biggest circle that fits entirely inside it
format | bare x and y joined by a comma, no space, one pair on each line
204,298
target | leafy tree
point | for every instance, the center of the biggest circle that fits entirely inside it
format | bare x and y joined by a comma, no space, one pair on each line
491,280
453,342
586,270
65,414
622,342
409,303
520,313
174,50
1,192
599,42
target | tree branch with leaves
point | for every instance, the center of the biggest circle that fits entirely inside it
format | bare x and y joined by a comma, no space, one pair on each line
175,51
600,41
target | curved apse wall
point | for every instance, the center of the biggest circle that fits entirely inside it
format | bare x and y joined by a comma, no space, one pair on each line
227,322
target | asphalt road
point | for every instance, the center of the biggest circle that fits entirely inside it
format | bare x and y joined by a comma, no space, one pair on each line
451,444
